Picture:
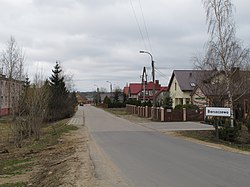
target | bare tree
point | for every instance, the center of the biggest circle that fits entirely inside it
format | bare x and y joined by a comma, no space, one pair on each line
224,52
32,110
38,99
12,59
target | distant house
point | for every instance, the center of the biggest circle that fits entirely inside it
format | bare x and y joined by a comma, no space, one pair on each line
142,92
161,94
181,85
81,99
134,90
10,91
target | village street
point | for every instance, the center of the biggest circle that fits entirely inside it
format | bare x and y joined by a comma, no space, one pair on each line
142,156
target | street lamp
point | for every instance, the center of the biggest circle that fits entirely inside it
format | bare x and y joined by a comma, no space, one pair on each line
98,94
153,76
110,86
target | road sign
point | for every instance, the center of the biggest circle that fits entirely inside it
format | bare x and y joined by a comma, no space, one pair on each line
218,111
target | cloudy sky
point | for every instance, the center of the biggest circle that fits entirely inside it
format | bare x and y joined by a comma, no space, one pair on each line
99,40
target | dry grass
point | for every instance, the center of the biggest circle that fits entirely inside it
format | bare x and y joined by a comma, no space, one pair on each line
209,136
5,131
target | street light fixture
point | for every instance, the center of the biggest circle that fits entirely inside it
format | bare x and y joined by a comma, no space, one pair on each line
98,94
110,86
153,76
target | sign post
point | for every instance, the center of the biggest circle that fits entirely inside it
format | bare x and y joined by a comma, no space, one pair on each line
217,112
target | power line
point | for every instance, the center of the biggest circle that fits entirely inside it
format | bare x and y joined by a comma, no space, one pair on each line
161,74
138,25
145,27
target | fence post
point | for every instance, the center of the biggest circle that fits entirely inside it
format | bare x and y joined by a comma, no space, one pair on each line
157,113
184,114
152,109
146,111
162,114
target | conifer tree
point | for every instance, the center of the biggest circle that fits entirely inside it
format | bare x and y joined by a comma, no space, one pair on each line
59,94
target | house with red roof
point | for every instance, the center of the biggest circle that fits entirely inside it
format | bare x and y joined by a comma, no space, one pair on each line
140,91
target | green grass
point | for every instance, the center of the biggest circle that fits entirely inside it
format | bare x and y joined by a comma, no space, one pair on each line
209,136
52,133
18,184
15,166
5,119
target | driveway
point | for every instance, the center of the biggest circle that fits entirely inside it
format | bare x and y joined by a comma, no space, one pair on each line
176,126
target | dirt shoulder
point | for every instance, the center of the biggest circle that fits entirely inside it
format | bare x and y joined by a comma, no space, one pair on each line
68,163
64,163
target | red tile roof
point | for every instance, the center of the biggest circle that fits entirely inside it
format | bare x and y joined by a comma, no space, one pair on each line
135,88
150,85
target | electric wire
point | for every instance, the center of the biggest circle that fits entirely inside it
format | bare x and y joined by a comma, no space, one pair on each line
138,25
161,74
145,27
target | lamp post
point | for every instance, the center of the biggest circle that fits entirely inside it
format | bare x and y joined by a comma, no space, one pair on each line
153,76
110,86
98,95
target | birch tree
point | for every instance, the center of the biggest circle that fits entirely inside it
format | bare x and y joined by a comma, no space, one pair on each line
12,59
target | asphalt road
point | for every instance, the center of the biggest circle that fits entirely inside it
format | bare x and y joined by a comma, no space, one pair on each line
146,157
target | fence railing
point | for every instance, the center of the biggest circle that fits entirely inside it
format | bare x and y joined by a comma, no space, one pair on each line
166,114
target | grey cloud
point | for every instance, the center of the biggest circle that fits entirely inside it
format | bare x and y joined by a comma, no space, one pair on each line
99,40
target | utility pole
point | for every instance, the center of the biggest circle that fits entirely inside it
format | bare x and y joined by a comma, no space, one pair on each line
110,86
153,76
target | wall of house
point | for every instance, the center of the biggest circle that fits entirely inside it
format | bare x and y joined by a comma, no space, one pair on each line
8,97
199,99
177,95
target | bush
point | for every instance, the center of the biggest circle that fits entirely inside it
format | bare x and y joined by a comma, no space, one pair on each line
167,107
134,102
178,107
116,105
187,106
228,133
147,103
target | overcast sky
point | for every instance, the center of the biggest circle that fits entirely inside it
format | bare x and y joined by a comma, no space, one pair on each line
99,40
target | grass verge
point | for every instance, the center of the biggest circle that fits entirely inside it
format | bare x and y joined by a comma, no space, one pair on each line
51,134
17,184
209,136
15,166
20,161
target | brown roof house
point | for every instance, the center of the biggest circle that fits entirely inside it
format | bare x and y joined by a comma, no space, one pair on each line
213,91
181,85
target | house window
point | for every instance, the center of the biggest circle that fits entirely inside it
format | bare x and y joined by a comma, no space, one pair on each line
175,86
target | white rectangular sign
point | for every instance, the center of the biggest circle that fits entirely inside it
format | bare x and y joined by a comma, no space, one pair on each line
217,111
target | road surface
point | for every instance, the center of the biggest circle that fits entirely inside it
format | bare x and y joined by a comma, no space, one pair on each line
147,158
